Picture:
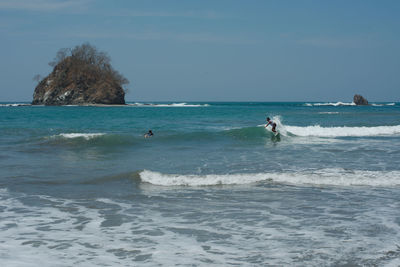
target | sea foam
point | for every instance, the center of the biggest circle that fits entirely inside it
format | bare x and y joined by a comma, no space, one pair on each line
86,136
332,177
319,131
168,105
335,104
345,131
331,104
15,105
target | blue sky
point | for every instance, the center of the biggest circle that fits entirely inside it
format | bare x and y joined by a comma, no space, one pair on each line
218,50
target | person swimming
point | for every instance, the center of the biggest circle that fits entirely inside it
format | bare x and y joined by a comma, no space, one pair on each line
148,134
273,124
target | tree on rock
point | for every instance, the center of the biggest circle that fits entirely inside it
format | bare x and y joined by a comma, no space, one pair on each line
360,100
82,75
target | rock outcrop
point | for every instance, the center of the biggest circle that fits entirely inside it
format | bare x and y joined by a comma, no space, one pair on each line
360,101
78,79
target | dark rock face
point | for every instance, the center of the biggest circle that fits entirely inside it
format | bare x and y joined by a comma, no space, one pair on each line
359,100
74,82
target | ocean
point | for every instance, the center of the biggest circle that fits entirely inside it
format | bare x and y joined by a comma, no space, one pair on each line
81,186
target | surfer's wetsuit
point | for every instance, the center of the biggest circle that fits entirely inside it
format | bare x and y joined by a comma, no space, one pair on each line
149,134
273,124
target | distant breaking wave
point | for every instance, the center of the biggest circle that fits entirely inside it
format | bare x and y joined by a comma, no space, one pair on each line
330,104
168,105
335,104
183,104
15,105
332,177
381,105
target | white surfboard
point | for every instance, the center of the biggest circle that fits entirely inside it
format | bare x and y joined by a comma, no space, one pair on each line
276,133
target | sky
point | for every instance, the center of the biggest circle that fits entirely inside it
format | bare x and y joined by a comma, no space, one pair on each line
212,50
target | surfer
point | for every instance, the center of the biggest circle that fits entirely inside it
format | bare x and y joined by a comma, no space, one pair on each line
273,124
148,134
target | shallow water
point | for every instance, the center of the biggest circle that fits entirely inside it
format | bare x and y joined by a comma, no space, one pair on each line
81,186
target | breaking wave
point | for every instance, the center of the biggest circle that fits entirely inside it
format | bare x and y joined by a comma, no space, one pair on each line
86,136
92,139
381,105
327,177
168,105
14,105
345,131
330,104
335,104
319,131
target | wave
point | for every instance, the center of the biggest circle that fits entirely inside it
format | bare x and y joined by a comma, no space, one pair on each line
335,104
92,139
345,131
381,105
86,136
168,105
15,105
319,131
248,133
109,139
327,177
330,104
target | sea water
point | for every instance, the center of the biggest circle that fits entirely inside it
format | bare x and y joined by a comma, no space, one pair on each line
81,186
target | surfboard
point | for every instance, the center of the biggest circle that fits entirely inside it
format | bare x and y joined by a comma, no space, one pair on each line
276,134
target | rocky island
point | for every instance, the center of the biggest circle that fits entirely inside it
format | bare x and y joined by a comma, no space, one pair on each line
81,76
360,101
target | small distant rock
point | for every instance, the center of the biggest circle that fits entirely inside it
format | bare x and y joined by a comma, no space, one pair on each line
360,101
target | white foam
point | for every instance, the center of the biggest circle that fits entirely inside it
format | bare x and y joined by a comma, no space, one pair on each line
157,178
319,131
329,112
169,105
333,177
330,104
15,105
345,131
66,237
86,136
239,227
335,104
382,105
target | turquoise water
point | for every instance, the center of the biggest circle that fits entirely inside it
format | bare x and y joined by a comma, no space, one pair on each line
82,186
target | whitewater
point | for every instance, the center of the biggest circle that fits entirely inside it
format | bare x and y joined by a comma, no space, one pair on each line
80,185
317,130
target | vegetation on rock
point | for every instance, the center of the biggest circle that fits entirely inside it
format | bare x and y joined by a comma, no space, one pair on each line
81,75
360,100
